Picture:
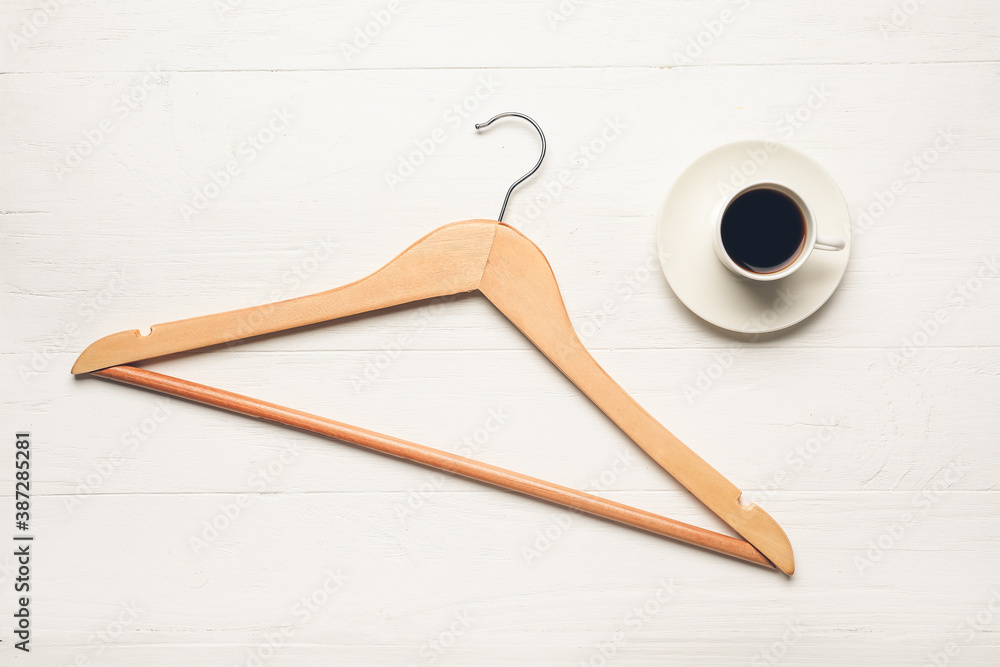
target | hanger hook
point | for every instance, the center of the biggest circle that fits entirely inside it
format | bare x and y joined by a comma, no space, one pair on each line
481,126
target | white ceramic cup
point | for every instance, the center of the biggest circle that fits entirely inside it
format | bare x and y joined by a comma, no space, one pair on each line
813,241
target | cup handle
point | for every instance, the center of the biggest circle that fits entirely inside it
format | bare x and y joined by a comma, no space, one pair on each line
829,243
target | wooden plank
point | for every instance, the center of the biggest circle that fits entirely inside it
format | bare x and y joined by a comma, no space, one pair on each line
305,34
576,594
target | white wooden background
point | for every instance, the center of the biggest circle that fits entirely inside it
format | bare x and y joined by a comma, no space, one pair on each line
878,459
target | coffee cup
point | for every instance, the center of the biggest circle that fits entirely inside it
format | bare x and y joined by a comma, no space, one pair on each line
766,231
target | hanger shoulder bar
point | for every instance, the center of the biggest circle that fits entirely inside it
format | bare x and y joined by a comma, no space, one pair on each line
449,260
520,283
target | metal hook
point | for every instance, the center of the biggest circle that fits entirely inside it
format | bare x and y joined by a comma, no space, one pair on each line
480,126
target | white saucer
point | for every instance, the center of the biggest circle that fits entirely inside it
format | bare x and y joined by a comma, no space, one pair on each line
694,272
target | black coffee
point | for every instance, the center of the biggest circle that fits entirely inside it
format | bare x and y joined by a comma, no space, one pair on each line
763,230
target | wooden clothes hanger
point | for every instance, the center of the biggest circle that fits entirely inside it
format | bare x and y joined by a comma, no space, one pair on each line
510,271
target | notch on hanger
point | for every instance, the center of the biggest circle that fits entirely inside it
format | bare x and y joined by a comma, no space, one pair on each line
510,271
